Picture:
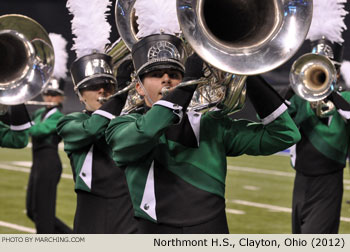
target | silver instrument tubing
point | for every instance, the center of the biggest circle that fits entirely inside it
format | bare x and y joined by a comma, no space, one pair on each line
270,32
313,77
27,62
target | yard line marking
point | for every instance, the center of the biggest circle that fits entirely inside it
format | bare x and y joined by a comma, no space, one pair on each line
23,163
260,205
345,219
268,172
13,168
27,163
234,211
251,188
17,227
27,170
272,207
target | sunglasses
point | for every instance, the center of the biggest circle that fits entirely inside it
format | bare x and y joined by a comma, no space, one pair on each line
51,93
106,87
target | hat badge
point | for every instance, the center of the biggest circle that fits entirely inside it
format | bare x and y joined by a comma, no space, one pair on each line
163,50
324,49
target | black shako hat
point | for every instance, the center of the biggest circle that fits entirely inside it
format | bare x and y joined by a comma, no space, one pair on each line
158,51
54,87
92,69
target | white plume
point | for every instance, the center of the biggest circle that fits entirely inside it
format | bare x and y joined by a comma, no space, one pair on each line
89,25
156,16
328,20
61,56
345,72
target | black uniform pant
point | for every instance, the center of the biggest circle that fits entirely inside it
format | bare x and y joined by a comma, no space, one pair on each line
218,225
317,203
41,197
98,215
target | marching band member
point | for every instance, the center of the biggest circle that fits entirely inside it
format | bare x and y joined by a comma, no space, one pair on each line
320,157
47,168
175,161
319,160
103,200
16,135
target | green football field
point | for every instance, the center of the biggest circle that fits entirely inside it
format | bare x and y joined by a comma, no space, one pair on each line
258,193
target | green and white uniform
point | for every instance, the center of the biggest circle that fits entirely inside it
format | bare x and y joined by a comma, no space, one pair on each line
103,200
319,159
16,134
45,173
90,156
329,136
12,138
176,173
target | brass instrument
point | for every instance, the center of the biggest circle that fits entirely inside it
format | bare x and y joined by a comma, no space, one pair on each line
27,59
119,52
262,35
4,108
323,108
26,62
41,103
313,77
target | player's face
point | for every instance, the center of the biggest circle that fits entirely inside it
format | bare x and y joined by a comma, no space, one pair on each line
53,98
155,81
90,96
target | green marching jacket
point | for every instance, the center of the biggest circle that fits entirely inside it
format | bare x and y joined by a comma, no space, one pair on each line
16,134
93,168
13,138
325,142
176,173
43,132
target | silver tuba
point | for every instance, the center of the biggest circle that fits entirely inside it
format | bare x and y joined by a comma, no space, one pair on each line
237,37
27,59
262,35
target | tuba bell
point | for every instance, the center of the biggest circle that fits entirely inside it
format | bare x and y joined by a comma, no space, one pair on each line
262,35
236,37
26,59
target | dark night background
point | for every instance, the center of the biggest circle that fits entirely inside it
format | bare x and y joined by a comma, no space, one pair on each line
54,17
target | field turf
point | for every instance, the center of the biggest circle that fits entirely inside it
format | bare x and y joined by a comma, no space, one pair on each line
258,194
